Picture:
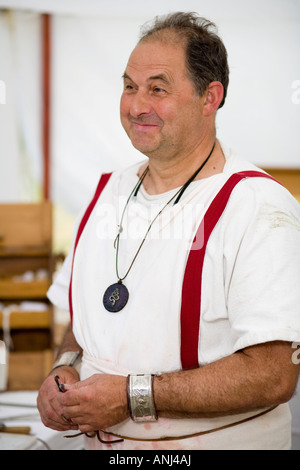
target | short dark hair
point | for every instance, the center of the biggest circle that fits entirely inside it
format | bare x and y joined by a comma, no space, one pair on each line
206,55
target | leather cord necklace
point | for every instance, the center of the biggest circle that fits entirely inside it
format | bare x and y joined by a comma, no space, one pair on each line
116,296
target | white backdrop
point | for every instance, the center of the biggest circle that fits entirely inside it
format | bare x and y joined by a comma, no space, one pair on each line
91,44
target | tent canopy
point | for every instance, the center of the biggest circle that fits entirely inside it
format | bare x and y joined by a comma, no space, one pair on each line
90,45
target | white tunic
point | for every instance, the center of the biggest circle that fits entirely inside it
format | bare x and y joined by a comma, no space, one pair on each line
250,292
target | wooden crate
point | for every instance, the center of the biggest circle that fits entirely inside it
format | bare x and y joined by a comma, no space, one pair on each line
27,370
26,245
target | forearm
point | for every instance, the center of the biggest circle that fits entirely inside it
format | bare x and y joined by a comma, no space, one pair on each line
69,342
206,392
255,378
259,377
48,397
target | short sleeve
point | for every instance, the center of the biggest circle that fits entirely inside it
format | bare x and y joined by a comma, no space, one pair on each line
58,292
264,289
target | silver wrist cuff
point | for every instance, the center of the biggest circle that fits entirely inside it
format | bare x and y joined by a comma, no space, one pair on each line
140,398
70,358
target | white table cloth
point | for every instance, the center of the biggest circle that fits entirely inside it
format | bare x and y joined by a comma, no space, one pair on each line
19,409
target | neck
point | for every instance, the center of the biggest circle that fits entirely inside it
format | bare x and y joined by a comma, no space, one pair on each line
164,176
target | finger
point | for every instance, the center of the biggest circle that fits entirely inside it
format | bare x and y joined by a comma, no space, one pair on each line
83,383
74,386
85,428
53,416
59,422
50,407
68,399
56,422
72,412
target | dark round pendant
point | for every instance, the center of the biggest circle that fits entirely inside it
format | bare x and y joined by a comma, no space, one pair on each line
115,297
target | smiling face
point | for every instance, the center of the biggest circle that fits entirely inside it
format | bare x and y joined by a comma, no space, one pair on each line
160,109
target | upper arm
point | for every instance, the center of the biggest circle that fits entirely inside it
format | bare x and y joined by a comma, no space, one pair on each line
263,267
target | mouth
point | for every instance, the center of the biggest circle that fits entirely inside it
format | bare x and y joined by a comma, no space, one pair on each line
143,127
145,123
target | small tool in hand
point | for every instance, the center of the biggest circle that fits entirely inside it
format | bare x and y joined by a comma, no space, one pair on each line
60,386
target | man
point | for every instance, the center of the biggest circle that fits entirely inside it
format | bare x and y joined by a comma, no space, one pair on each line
183,280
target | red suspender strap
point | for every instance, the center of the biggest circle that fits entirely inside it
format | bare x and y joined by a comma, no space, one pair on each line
101,185
191,288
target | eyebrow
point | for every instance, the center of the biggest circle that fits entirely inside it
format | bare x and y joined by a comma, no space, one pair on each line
160,76
125,76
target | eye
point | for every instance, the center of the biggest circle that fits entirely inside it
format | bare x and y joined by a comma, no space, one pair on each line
128,86
159,91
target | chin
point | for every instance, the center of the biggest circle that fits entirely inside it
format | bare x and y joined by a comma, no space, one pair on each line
143,147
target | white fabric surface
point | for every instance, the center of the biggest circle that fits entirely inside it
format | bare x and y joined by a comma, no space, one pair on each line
19,409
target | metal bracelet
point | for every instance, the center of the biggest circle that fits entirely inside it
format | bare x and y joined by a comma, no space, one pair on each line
140,398
69,358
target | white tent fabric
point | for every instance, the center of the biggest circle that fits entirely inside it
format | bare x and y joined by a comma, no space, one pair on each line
91,42
87,134
20,111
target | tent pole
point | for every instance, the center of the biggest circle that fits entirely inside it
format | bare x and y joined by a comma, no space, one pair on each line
46,103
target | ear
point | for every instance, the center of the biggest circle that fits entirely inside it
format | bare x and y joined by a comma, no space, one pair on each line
212,98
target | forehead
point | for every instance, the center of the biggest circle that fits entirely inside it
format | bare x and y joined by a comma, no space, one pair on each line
152,57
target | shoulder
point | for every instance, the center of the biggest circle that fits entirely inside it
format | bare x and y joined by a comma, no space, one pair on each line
257,188
260,189
258,196
263,209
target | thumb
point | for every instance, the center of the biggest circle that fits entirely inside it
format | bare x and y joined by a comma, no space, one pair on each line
71,386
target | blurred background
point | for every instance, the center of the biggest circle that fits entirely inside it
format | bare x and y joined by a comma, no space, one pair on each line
61,63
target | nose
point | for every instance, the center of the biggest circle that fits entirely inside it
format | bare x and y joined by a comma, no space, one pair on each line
140,104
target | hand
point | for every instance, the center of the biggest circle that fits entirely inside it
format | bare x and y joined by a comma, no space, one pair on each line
47,401
95,403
